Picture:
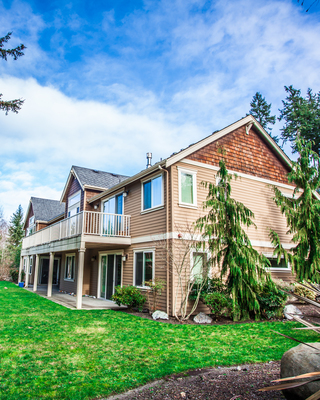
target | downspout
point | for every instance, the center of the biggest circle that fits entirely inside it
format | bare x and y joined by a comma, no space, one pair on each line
167,238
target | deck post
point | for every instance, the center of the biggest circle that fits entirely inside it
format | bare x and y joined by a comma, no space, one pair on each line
80,278
36,272
27,271
50,277
20,269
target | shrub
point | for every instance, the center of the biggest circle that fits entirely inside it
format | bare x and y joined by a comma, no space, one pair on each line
129,296
211,286
271,301
14,273
219,303
304,292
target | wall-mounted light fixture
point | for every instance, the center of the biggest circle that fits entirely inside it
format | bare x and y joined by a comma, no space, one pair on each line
93,258
125,194
125,257
96,206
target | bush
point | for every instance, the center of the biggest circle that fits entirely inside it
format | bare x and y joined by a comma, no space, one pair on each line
129,296
304,292
271,301
219,303
214,285
14,273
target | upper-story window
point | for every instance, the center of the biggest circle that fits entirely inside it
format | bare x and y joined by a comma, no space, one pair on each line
74,204
32,227
187,188
114,205
152,193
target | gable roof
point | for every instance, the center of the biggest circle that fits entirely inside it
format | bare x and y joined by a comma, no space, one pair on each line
45,210
92,179
248,121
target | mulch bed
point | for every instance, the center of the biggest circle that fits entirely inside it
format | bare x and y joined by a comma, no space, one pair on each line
233,383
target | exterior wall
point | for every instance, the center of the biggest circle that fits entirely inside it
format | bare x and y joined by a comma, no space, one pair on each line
69,286
249,154
88,194
30,214
73,188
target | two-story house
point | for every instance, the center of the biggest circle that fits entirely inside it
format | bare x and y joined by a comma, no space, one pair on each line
112,223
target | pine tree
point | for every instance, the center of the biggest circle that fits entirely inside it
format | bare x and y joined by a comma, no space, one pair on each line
302,213
10,105
16,233
302,118
230,246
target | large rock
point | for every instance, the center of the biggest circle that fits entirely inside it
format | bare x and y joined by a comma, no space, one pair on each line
291,309
202,318
159,315
301,360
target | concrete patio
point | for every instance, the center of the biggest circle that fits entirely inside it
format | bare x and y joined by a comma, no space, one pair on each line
66,300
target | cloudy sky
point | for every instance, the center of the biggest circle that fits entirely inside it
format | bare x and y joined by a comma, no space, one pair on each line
106,81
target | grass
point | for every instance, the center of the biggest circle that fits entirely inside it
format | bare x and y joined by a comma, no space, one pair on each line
49,352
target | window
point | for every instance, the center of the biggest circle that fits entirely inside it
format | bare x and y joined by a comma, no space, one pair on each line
112,220
152,193
74,204
143,266
69,268
32,227
281,266
200,266
187,188
30,265
114,205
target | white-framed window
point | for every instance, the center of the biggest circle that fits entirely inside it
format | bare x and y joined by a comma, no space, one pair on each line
25,264
74,204
199,265
30,264
69,267
274,266
32,227
113,205
143,266
152,193
187,188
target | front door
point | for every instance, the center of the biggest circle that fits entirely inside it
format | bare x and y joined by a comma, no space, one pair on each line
110,274
44,271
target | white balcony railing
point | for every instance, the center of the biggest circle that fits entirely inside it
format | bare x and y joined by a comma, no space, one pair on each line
86,222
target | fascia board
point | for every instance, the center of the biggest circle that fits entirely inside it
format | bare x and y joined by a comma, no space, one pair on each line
71,173
26,215
94,187
136,177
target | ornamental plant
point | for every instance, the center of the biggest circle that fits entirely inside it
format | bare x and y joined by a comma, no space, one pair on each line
129,296
223,233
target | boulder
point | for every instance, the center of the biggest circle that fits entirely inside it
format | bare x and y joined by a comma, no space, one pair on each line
159,315
202,318
301,360
291,309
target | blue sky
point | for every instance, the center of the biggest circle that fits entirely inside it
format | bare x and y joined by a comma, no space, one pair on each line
105,82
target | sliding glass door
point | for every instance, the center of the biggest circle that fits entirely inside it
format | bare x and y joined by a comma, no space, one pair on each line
110,274
112,220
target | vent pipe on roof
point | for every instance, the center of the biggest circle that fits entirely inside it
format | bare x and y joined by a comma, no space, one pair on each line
149,158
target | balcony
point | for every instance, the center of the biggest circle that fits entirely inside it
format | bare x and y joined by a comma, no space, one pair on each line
85,223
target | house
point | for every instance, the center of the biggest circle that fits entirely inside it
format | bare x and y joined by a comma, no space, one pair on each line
112,223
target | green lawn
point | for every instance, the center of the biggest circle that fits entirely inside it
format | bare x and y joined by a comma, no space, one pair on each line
49,352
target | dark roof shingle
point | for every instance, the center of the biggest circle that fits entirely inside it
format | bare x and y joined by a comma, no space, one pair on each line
101,179
46,209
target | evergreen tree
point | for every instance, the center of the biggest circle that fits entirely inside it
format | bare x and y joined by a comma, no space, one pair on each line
10,105
302,118
303,215
261,110
230,246
16,233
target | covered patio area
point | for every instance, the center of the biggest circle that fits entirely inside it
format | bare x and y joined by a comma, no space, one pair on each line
69,301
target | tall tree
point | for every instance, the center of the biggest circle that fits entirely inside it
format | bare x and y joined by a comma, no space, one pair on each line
302,118
10,105
303,215
230,246
261,110
16,233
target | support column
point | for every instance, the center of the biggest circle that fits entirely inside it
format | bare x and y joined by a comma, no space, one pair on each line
20,269
27,271
36,272
80,278
50,277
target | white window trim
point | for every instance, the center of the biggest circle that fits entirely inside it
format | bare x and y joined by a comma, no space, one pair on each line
207,252
105,253
144,250
159,206
271,269
109,198
75,205
65,266
30,265
194,186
